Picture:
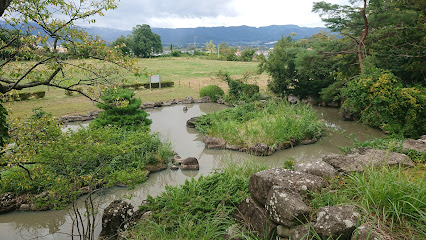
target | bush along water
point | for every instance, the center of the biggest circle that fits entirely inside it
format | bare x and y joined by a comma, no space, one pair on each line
212,91
380,100
273,123
53,168
239,90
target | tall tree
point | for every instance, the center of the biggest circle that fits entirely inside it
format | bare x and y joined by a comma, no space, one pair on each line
211,47
52,23
142,42
34,24
351,21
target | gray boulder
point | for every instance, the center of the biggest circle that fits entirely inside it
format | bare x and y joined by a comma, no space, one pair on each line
261,182
358,159
158,104
336,221
116,218
214,143
148,105
318,168
292,99
286,208
254,218
368,232
191,122
188,100
190,163
418,145
347,115
8,202
177,159
302,232
260,149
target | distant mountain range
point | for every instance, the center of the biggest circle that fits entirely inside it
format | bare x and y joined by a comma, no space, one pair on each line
242,35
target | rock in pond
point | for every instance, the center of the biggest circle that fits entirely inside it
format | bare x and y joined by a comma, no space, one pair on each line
214,143
8,202
260,149
191,122
190,163
115,218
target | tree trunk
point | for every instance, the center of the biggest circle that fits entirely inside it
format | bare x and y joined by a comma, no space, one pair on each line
3,6
361,42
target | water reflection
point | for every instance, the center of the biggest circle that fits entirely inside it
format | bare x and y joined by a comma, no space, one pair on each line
170,122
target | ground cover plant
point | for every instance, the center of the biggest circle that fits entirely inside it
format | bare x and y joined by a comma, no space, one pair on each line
45,160
392,198
198,209
271,123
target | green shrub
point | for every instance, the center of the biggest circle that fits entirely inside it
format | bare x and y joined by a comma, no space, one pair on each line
238,90
39,94
380,100
69,93
212,91
121,110
24,95
157,85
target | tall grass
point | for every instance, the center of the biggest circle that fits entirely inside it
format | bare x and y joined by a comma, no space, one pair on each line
198,209
271,123
388,196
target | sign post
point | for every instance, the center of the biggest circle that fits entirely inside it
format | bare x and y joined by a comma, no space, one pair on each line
155,79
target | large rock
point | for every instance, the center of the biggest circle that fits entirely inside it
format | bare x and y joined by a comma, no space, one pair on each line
8,202
214,143
116,217
191,122
368,232
260,149
336,222
318,168
261,182
148,105
302,232
254,218
358,159
285,207
347,115
292,99
158,104
188,100
190,163
418,145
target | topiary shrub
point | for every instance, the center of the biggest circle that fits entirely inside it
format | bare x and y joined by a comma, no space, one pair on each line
212,91
39,94
121,110
24,95
68,93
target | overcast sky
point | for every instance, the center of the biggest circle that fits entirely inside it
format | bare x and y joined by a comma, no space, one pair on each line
211,13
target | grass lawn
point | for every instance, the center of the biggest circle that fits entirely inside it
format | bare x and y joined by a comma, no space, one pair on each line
189,75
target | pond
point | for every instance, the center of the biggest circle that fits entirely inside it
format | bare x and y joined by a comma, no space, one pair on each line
187,142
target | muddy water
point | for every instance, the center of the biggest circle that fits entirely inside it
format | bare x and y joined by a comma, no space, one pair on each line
170,123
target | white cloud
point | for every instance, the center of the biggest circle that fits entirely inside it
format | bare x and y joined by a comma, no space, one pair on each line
210,13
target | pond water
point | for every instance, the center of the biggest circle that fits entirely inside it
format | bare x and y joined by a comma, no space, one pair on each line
187,142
